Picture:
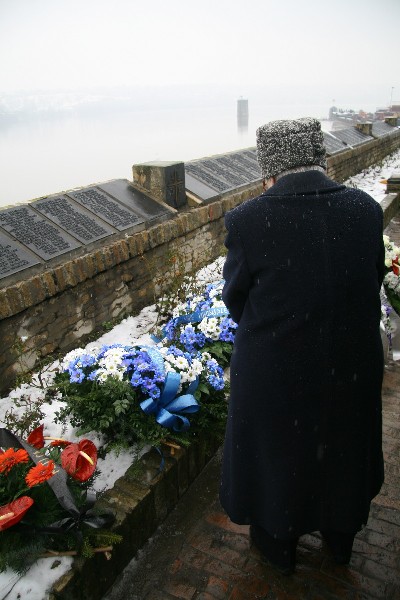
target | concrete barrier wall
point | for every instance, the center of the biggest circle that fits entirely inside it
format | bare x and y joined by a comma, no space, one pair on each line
58,309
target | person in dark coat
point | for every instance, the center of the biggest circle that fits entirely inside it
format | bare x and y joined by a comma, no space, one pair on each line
305,264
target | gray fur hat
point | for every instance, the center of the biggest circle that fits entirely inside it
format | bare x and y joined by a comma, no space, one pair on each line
287,144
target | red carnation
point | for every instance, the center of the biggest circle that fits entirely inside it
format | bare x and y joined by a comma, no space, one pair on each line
395,266
13,512
79,460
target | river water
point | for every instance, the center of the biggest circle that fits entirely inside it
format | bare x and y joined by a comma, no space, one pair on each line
49,154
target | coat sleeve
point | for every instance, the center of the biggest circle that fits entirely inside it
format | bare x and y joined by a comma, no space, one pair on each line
236,273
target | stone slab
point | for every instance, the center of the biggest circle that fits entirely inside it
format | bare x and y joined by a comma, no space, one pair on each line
36,233
14,257
198,188
332,144
352,137
85,226
150,210
380,128
208,177
109,209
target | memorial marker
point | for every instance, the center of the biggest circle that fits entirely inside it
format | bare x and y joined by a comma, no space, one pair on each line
208,177
352,137
109,209
148,209
14,257
69,215
35,232
332,144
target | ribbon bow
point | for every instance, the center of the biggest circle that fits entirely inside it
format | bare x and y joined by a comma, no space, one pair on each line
169,407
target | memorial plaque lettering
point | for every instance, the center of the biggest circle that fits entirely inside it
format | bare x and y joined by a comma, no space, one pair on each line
83,225
248,167
145,207
332,144
351,136
14,257
111,211
203,175
222,173
29,228
380,128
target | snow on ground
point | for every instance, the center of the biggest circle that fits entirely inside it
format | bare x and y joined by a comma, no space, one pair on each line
36,584
373,179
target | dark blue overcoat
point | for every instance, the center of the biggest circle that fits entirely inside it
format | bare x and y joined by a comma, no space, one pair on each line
303,274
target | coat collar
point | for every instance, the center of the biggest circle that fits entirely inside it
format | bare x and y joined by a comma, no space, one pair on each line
300,184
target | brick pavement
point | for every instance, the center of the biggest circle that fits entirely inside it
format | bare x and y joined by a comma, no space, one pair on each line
198,554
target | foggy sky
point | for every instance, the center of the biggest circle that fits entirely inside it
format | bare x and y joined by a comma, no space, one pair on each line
70,44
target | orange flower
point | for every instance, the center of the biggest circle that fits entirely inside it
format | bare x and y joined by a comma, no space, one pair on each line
40,473
11,457
35,438
14,511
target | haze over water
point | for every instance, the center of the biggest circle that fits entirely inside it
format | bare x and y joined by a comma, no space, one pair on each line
71,145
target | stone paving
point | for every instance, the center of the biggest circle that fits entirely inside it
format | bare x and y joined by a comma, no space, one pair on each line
198,554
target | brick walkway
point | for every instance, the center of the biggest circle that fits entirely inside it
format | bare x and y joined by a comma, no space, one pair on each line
198,554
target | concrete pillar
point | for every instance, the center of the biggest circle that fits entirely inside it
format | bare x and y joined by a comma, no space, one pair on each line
365,128
164,180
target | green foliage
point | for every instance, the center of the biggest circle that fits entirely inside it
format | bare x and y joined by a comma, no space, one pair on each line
110,408
393,298
221,351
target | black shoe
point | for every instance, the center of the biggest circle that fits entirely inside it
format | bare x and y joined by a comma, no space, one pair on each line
340,544
281,554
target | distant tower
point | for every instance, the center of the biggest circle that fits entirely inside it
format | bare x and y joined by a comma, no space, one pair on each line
243,114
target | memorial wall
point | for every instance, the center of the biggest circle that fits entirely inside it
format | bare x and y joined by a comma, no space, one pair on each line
73,261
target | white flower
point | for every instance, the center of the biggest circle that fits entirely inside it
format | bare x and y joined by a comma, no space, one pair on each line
218,304
210,328
392,280
181,363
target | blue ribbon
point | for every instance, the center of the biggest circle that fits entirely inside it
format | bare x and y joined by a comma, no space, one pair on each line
169,407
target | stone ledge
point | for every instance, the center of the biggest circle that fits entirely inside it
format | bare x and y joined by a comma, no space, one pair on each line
141,503
390,206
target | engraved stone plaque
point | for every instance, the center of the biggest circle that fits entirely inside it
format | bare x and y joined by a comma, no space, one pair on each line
332,144
380,128
29,228
109,209
208,177
351,136
147,208
14,257
69,215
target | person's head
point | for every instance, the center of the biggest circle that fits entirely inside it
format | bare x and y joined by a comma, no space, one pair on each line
289,146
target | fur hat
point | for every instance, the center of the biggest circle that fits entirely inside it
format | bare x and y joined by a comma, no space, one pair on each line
287,144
